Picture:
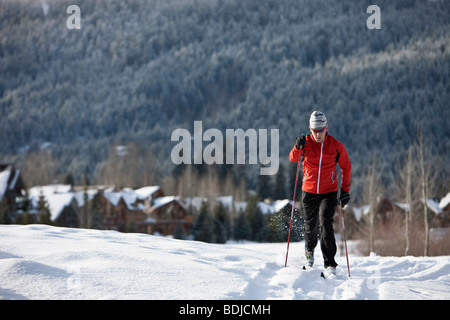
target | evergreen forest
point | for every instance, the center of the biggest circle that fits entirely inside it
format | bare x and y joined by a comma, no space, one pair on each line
137,70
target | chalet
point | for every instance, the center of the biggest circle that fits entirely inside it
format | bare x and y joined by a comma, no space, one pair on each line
388,211
147,194
12,193
440,212
121,210
61,202
64,210
82,194
167,216
144,210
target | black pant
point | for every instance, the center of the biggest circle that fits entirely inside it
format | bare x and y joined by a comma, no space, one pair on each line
319,212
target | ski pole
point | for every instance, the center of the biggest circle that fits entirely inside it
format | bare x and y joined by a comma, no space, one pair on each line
292,213
345,240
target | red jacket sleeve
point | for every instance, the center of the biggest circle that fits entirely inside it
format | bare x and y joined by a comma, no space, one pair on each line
346,168
295,154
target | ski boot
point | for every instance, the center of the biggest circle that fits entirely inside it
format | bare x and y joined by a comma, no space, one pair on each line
329,273
309,255
330,270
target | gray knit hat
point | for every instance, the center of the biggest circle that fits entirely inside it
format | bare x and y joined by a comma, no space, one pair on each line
317,120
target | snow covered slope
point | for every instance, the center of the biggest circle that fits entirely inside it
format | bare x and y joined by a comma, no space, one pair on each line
44,262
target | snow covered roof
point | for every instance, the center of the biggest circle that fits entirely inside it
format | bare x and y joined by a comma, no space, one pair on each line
359,211
445,201
226,201
14,179
403,206
240,206
4,177
265,207
79,196
49,189
280,204
162,201
128,195
195,202
113,197
58,196
433,205
9,177
57,202
146,192
274,207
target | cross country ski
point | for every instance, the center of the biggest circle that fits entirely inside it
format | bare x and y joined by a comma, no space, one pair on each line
327,274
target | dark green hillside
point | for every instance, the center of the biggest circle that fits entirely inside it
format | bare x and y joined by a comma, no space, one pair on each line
138,69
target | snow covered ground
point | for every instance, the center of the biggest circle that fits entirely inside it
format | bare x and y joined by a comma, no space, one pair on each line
44,262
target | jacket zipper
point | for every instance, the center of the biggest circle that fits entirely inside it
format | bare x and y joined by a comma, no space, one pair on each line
320,167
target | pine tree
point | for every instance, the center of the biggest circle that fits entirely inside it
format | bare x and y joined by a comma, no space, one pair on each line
95,213
203,228
255,220
276,227
279,191
27,218
178,232
44,211
241,228
221,223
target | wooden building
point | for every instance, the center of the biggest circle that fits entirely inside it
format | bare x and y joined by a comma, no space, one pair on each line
168,216
12,193
60,202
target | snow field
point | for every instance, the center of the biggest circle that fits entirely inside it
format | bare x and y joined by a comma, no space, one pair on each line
44,262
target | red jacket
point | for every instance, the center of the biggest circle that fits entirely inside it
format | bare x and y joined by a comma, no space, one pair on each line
319,165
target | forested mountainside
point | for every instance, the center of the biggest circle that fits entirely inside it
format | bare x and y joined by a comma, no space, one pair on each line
138,69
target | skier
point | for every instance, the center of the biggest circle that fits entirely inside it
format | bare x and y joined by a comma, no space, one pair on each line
319,153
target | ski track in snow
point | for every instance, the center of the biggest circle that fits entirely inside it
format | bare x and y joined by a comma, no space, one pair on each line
44,262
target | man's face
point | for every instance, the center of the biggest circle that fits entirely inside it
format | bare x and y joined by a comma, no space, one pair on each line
319,134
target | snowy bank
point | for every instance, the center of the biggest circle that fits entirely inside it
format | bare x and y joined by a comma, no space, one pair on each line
44,262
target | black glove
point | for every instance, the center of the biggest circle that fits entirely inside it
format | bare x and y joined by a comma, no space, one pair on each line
300,142
344,198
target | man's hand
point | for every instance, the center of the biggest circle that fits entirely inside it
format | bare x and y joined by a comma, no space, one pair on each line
344,198
300,142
